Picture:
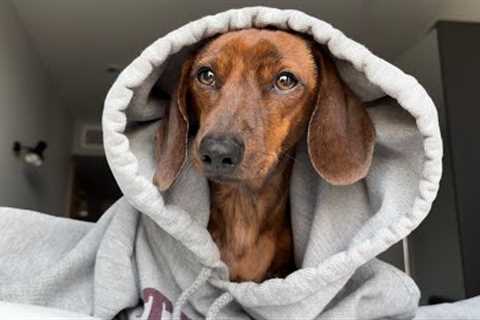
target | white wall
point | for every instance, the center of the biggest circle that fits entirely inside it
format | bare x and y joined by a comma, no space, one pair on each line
29,112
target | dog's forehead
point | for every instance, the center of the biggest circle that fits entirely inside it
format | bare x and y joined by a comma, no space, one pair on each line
257,44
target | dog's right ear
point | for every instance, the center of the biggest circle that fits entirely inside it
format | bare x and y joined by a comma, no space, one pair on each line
172,135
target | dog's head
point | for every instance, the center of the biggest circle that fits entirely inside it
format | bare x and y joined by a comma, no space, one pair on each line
248,96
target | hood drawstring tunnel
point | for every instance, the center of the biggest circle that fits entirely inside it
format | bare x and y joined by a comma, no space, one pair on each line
199,281
218,304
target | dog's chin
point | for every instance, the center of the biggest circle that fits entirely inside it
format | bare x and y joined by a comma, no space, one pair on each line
236,182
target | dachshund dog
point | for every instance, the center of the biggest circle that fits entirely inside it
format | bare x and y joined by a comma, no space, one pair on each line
245,99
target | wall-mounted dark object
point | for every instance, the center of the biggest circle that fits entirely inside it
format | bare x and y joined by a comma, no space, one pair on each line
444,249
31,155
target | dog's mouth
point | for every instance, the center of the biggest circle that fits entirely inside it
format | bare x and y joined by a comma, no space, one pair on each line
215,175
221,178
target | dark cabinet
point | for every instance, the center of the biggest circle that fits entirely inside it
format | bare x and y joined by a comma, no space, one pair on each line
444,250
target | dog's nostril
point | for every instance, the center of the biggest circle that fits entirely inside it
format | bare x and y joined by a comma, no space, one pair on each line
206,159
227,161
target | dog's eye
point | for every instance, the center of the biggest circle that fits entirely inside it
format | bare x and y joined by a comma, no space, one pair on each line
206,76
285,81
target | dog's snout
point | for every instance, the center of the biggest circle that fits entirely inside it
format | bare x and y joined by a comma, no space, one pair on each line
221,155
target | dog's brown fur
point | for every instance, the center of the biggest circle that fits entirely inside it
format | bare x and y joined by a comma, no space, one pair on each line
250,219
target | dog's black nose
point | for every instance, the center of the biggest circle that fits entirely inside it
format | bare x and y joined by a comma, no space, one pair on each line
221,155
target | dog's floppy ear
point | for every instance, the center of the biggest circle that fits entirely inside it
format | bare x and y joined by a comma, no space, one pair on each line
172,135
340,134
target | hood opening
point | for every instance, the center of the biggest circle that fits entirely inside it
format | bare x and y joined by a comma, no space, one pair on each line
336,229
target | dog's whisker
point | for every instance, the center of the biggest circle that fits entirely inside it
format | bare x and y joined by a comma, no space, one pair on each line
279,158
292,191
182,173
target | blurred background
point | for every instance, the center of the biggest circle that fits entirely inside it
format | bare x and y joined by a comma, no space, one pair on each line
59,58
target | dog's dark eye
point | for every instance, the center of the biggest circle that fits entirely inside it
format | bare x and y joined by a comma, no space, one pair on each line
285,81
206,76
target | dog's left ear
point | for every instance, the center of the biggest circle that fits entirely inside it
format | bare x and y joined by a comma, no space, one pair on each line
340,134
172,135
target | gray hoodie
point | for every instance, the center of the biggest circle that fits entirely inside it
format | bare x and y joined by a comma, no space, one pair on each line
150,256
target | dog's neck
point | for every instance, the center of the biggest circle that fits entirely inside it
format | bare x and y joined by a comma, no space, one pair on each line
245,223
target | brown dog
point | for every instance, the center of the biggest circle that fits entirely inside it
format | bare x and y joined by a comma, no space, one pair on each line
253,94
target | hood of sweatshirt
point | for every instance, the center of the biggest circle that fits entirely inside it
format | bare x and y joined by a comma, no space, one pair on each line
338,230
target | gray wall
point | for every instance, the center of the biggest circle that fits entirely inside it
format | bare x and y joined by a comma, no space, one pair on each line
30,111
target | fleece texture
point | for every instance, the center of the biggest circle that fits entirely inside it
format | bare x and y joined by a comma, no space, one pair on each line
150,256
